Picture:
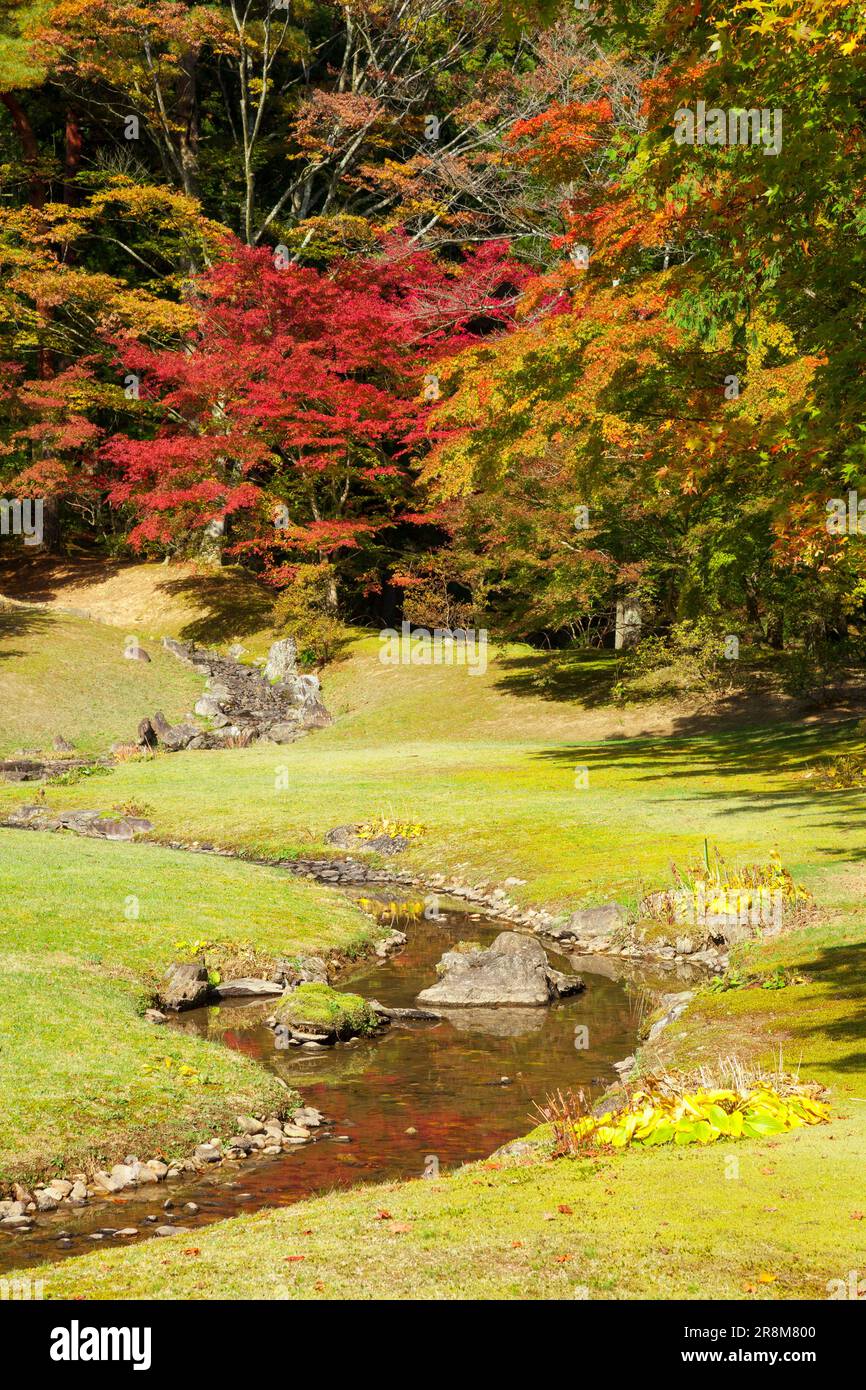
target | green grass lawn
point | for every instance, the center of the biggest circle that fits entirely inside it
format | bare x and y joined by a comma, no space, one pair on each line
78,972
66,676
492,777
771,1219
488,766
664,1224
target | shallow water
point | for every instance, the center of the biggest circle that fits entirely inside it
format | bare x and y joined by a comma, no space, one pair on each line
446,1081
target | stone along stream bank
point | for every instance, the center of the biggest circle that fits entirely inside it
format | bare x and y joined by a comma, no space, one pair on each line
416,1099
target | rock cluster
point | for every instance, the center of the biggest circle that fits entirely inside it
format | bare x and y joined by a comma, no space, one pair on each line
268,1135
188,984
347,837
98,825
243,704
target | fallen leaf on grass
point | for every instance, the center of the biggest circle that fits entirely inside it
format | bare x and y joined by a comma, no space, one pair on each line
384,1216
399,1227
765,1278
192,1250
565,1209
290,1259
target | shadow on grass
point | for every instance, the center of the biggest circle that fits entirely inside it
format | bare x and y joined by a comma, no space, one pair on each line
779,756
841,970
43,578
584,677
18,622
777,749
232,604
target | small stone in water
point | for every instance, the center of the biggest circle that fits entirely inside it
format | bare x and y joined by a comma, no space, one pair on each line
191,1207
411,1130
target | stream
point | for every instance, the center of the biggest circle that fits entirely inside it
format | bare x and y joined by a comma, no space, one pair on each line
420,1098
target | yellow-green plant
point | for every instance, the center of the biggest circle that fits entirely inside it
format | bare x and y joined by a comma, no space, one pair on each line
659,1114
381,825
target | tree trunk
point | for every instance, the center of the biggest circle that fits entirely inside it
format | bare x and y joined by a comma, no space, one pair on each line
189,124
628,622
24,131
72,158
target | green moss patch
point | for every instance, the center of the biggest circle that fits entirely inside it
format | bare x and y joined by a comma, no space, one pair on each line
320,1008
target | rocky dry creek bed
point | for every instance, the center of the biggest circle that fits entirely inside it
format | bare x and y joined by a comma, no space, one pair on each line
417,1097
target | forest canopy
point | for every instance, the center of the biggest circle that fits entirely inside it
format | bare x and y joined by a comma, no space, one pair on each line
523,311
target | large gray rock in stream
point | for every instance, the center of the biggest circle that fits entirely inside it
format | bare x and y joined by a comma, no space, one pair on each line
513,972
